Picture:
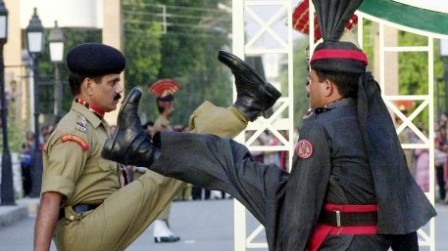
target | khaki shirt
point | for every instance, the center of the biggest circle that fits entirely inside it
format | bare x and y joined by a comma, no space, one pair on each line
72,159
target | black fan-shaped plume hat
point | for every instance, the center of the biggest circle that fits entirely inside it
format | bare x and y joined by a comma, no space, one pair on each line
332,54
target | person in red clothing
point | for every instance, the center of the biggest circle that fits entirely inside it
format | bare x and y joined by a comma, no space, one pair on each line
441,148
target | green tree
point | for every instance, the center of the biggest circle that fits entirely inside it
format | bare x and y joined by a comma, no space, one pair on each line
413,68
195,32
189,55
300,78
142,45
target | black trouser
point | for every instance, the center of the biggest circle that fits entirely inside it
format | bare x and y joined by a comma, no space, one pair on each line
405,242
440,175
26,180
196,193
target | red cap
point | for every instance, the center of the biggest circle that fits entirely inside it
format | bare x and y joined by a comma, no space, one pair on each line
164,87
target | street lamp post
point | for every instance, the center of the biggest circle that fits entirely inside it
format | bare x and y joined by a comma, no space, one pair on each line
35,46
56,41
7,188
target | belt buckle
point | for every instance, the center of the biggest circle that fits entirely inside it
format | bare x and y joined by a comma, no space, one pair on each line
338,217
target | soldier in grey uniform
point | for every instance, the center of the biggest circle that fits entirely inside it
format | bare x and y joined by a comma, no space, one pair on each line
82,206
349,188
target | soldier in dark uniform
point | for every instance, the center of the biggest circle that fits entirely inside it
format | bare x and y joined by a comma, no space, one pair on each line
82,205
347,190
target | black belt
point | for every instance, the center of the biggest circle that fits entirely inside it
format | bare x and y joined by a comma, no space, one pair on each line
78,208
339,219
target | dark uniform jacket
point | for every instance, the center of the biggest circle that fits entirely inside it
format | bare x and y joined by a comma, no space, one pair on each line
334,169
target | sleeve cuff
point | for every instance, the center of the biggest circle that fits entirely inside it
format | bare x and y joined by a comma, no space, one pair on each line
58,184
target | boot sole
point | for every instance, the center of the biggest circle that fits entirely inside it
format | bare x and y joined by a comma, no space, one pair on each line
229,59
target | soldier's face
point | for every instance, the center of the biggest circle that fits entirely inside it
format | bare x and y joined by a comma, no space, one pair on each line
107,93
169,110
316,90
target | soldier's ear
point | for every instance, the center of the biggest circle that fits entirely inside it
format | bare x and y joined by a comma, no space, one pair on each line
333,89
328,87
87,85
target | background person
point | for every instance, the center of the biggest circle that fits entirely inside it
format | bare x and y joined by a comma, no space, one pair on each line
164,90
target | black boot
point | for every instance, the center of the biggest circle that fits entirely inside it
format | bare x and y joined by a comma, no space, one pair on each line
130,145
254,94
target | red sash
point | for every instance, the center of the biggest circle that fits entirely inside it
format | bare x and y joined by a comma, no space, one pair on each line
321,231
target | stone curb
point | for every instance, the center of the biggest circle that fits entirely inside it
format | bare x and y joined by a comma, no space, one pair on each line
10,215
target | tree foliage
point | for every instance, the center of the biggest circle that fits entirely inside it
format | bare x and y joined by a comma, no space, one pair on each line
413,66
300,78
182,44
413,71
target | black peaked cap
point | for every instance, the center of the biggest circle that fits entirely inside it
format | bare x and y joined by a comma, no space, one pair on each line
95,59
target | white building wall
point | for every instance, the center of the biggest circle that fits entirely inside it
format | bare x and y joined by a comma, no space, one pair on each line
68,13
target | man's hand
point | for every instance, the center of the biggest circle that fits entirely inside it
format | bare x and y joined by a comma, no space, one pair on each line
46,220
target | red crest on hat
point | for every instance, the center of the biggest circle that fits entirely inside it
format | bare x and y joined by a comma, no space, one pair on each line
164,87
404,105
301,20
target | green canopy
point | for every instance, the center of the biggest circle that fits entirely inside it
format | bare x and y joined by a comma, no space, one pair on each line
406,15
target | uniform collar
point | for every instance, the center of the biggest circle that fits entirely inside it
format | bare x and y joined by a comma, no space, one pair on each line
95,109
338,103
88,114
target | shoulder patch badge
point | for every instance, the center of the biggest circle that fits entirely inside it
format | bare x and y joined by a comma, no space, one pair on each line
304,149
81,124
76,139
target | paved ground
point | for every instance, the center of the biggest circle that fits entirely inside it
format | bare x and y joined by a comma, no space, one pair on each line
203,225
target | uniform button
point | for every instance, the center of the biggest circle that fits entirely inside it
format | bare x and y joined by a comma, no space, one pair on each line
72,217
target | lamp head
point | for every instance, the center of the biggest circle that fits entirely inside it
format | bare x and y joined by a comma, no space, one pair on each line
35,35
3,23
